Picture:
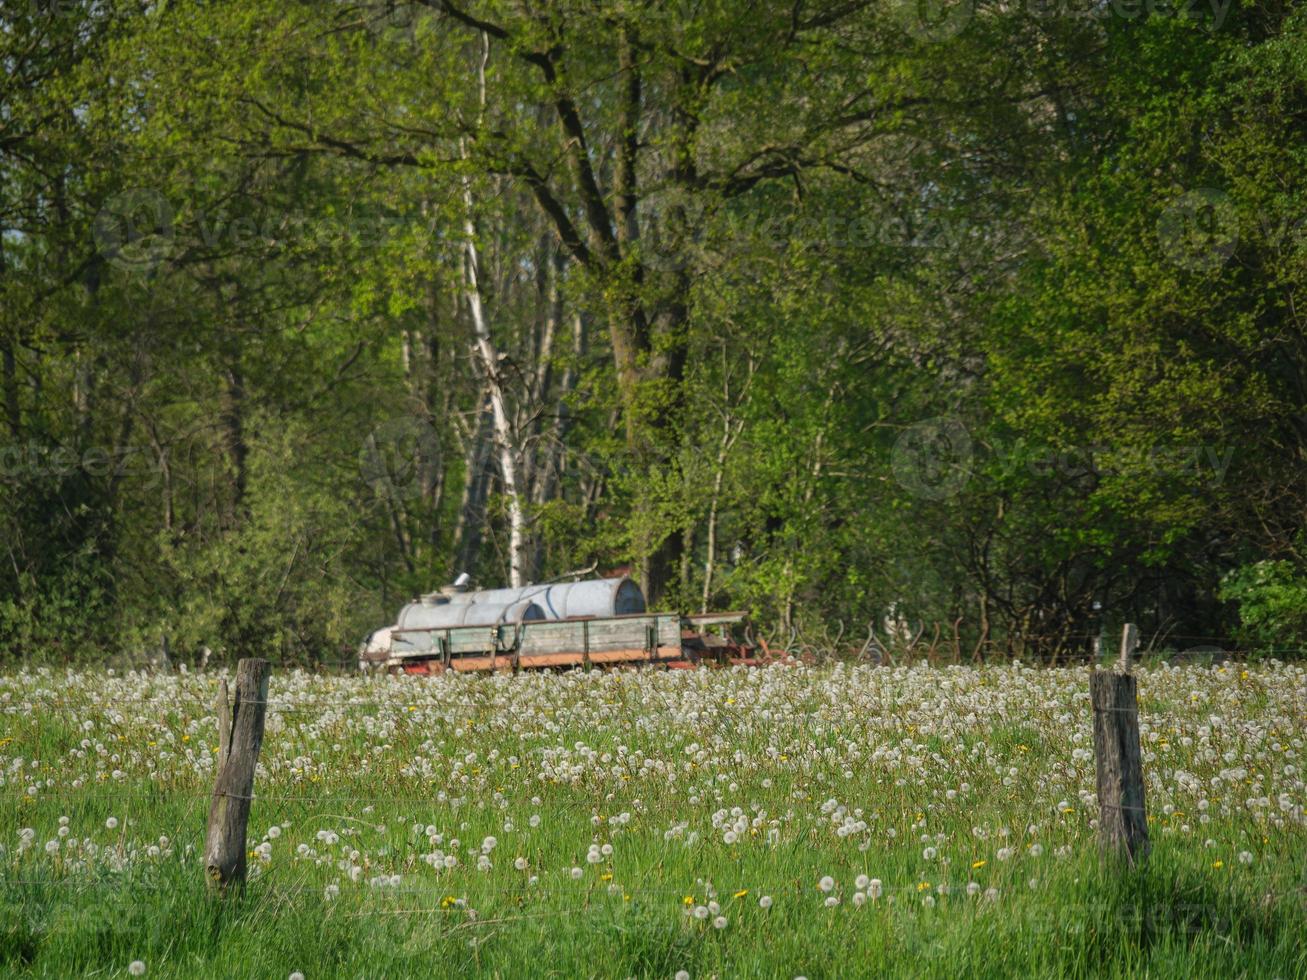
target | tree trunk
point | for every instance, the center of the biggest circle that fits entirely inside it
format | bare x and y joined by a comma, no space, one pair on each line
505,438
471,510
9,364
231,421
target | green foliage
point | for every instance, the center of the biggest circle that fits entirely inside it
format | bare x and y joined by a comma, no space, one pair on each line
811,314
1272,601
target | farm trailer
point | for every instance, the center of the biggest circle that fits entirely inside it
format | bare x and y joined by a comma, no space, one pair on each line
585,624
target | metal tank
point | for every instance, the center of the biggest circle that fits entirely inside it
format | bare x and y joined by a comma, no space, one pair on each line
426,614
566,600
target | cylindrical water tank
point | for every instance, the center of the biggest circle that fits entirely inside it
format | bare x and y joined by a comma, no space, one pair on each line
420,615
594,597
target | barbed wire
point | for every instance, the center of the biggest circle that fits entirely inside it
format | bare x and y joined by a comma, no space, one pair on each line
909,651
171,700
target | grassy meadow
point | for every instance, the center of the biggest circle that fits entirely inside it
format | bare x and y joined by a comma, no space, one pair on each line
790,821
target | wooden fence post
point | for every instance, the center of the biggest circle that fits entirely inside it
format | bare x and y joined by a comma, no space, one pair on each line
1118,761
1129,644
240,737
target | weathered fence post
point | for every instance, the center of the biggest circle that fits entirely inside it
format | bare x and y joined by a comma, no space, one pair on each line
240,735
1129,644
1118,762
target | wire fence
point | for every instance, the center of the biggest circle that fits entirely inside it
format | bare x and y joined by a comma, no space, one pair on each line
272,806
934,643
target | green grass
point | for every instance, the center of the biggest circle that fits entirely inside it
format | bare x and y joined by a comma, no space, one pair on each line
1169,920
370,772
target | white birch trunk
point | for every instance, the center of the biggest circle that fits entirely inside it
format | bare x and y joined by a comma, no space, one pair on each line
505,441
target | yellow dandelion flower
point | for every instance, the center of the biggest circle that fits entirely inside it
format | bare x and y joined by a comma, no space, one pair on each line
1218,864
688,900
978,864
741,893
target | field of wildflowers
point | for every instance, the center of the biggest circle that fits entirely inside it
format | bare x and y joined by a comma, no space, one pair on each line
787,821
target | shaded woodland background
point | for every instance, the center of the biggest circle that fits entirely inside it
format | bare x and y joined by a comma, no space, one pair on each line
973,320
